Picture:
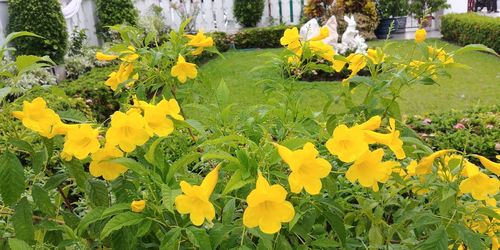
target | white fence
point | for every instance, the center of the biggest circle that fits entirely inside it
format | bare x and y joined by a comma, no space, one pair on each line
214,15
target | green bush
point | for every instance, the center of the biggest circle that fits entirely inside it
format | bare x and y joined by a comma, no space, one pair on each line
475,130
113,12
248,12
471,28
259,37
96,94
43,17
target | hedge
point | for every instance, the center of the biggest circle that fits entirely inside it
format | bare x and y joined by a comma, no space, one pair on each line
471,28
260,37
44,18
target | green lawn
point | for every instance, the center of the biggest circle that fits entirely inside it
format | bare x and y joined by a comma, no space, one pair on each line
477,86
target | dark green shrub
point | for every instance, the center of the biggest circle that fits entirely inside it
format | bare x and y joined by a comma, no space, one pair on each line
113,12
259,37
43,17
91,88
471,28
475,130
248,12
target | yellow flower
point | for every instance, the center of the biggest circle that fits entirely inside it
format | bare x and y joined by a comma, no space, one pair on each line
338,65
350,143
480,186
356,63
80,141
129,55
102,166
291,39
118,77
104,57
37,117
376,56
294,60
420,35
440,54
369,169
425,165
156,119
492,166
391,140
138,206
127,131
307,168
200,41
323,33
174,110
267,207
183,70
412,168
196,199
322,49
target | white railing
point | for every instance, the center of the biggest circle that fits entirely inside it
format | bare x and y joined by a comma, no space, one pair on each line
214,15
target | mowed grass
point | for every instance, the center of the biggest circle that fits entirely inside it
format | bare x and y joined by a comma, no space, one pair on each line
479,85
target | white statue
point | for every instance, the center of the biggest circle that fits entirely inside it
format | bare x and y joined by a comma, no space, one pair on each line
309,30
351,40
333,37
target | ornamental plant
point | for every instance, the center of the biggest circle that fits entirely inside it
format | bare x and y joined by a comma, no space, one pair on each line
273,176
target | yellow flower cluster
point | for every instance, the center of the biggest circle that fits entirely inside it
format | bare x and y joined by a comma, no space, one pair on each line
127,131
125,70
352,145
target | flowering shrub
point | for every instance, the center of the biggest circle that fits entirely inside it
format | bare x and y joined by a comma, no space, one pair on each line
271,177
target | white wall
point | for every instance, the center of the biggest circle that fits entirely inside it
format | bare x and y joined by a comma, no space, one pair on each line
457,6
215,15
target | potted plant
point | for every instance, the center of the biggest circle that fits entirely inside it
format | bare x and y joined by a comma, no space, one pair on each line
391,12
423,9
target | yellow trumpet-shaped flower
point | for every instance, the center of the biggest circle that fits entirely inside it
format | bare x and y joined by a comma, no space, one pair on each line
102,166
196,199
157,121
200,41
425,165
420,35
391,140
105,57
127,131
138,206
129,55
307,168
80,141
356,63
492,166
376,56
323,33
118,77
184,70
322,49
350,143
369,169
267,207
39,118
338,65
480,186
291,39
440,54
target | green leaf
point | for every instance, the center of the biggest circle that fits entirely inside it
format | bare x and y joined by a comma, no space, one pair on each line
471,239
24,61
171,239
11,178
91,217
15,35
196,125
150,155
22,221
22,145
131,164
438,240
182,163
55,180
325,243
218,233
475,47
228,212
236,182
120,221
4,92
337,225
489,212
219,155
38,160
42,200
98,193
77,172
201,239
168,197
222,93
375,236
17,244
